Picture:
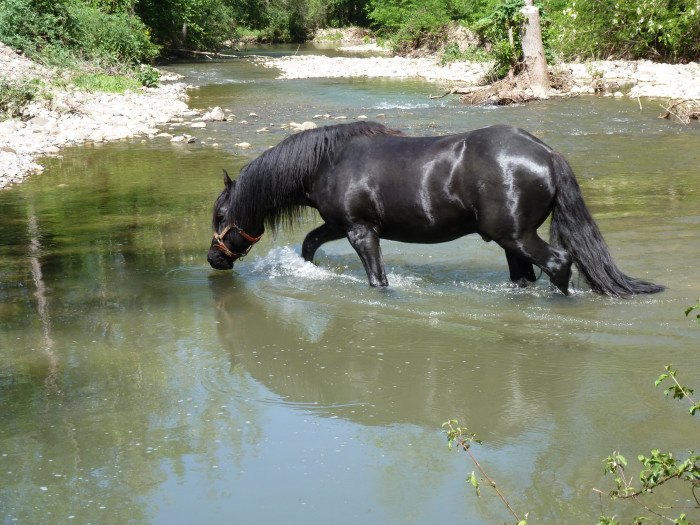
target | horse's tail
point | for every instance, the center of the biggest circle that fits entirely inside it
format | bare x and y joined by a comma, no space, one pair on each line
574,230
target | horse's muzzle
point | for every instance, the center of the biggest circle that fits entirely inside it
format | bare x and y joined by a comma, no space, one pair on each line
218,261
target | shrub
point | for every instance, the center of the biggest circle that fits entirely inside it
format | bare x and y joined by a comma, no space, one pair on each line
116,37
148,76
406,24
33,26
661,29
52,31
14,96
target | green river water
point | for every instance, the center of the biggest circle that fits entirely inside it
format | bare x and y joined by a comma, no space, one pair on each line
138,385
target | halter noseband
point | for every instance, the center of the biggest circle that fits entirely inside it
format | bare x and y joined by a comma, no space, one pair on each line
219,238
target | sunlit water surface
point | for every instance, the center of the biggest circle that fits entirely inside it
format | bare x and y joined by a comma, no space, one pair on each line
137,385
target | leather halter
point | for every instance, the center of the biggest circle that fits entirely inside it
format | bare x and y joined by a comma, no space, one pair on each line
218,241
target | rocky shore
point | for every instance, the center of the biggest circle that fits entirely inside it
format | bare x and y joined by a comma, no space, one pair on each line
641,78
70,116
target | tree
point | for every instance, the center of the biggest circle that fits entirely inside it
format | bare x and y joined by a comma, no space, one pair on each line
534,59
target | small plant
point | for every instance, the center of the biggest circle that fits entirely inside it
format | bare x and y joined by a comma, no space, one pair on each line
658,468
148,76
463,439
14,97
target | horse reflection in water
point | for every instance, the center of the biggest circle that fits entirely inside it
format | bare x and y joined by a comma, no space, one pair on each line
369,182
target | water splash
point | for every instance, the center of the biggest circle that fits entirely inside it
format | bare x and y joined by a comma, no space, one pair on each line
284,261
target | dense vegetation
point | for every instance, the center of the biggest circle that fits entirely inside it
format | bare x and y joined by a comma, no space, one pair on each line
132,31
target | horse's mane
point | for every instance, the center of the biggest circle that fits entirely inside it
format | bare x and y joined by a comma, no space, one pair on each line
270,188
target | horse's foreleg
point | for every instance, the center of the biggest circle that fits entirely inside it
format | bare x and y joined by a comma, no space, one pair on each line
519,268
366,244
316,238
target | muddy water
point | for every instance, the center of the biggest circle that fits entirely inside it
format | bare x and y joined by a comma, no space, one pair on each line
137,385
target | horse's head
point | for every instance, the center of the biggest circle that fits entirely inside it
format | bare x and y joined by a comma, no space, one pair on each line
230,242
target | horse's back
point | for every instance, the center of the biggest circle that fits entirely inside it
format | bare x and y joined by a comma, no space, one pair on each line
432,189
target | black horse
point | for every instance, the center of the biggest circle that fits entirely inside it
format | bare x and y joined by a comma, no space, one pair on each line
370,182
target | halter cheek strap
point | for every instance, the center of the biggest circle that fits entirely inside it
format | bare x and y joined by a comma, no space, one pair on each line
219,238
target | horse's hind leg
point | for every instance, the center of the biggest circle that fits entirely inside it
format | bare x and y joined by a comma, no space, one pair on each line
520,269
555,262
316,238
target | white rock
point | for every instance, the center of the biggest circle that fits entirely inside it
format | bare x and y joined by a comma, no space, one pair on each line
97,136
217,114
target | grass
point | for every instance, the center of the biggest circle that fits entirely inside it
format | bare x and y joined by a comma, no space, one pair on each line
106,83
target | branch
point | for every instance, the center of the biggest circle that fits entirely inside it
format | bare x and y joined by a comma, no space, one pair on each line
455,434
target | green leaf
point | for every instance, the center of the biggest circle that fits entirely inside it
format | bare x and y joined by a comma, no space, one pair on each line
661,378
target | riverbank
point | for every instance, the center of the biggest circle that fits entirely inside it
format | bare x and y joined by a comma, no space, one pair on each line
68,116
641,78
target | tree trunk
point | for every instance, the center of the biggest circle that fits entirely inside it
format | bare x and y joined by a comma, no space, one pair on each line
533,51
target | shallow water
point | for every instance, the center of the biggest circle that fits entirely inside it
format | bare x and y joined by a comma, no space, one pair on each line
137,385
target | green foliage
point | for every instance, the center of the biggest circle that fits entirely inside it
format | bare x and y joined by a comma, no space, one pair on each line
190,24
293,20
14,96
661,29
678,391
405,24
453,53
34,26
462,439
148,76
106,83
56,32
658,467
120,38
501,29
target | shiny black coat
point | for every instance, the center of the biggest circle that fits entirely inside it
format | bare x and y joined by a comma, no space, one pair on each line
369,182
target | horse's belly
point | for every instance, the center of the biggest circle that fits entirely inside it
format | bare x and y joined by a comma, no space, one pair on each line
441,226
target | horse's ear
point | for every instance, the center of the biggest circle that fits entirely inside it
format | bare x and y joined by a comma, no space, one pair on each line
227,181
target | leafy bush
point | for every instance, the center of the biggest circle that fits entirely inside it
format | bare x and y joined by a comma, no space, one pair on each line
117,37
33,26
148,76
661,29
293,20
14,96
408,23
52,31
193,24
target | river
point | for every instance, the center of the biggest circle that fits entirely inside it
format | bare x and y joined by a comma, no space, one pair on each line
138,385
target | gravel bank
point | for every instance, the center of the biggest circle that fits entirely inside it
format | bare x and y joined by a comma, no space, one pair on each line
77,117
631,78
71,116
